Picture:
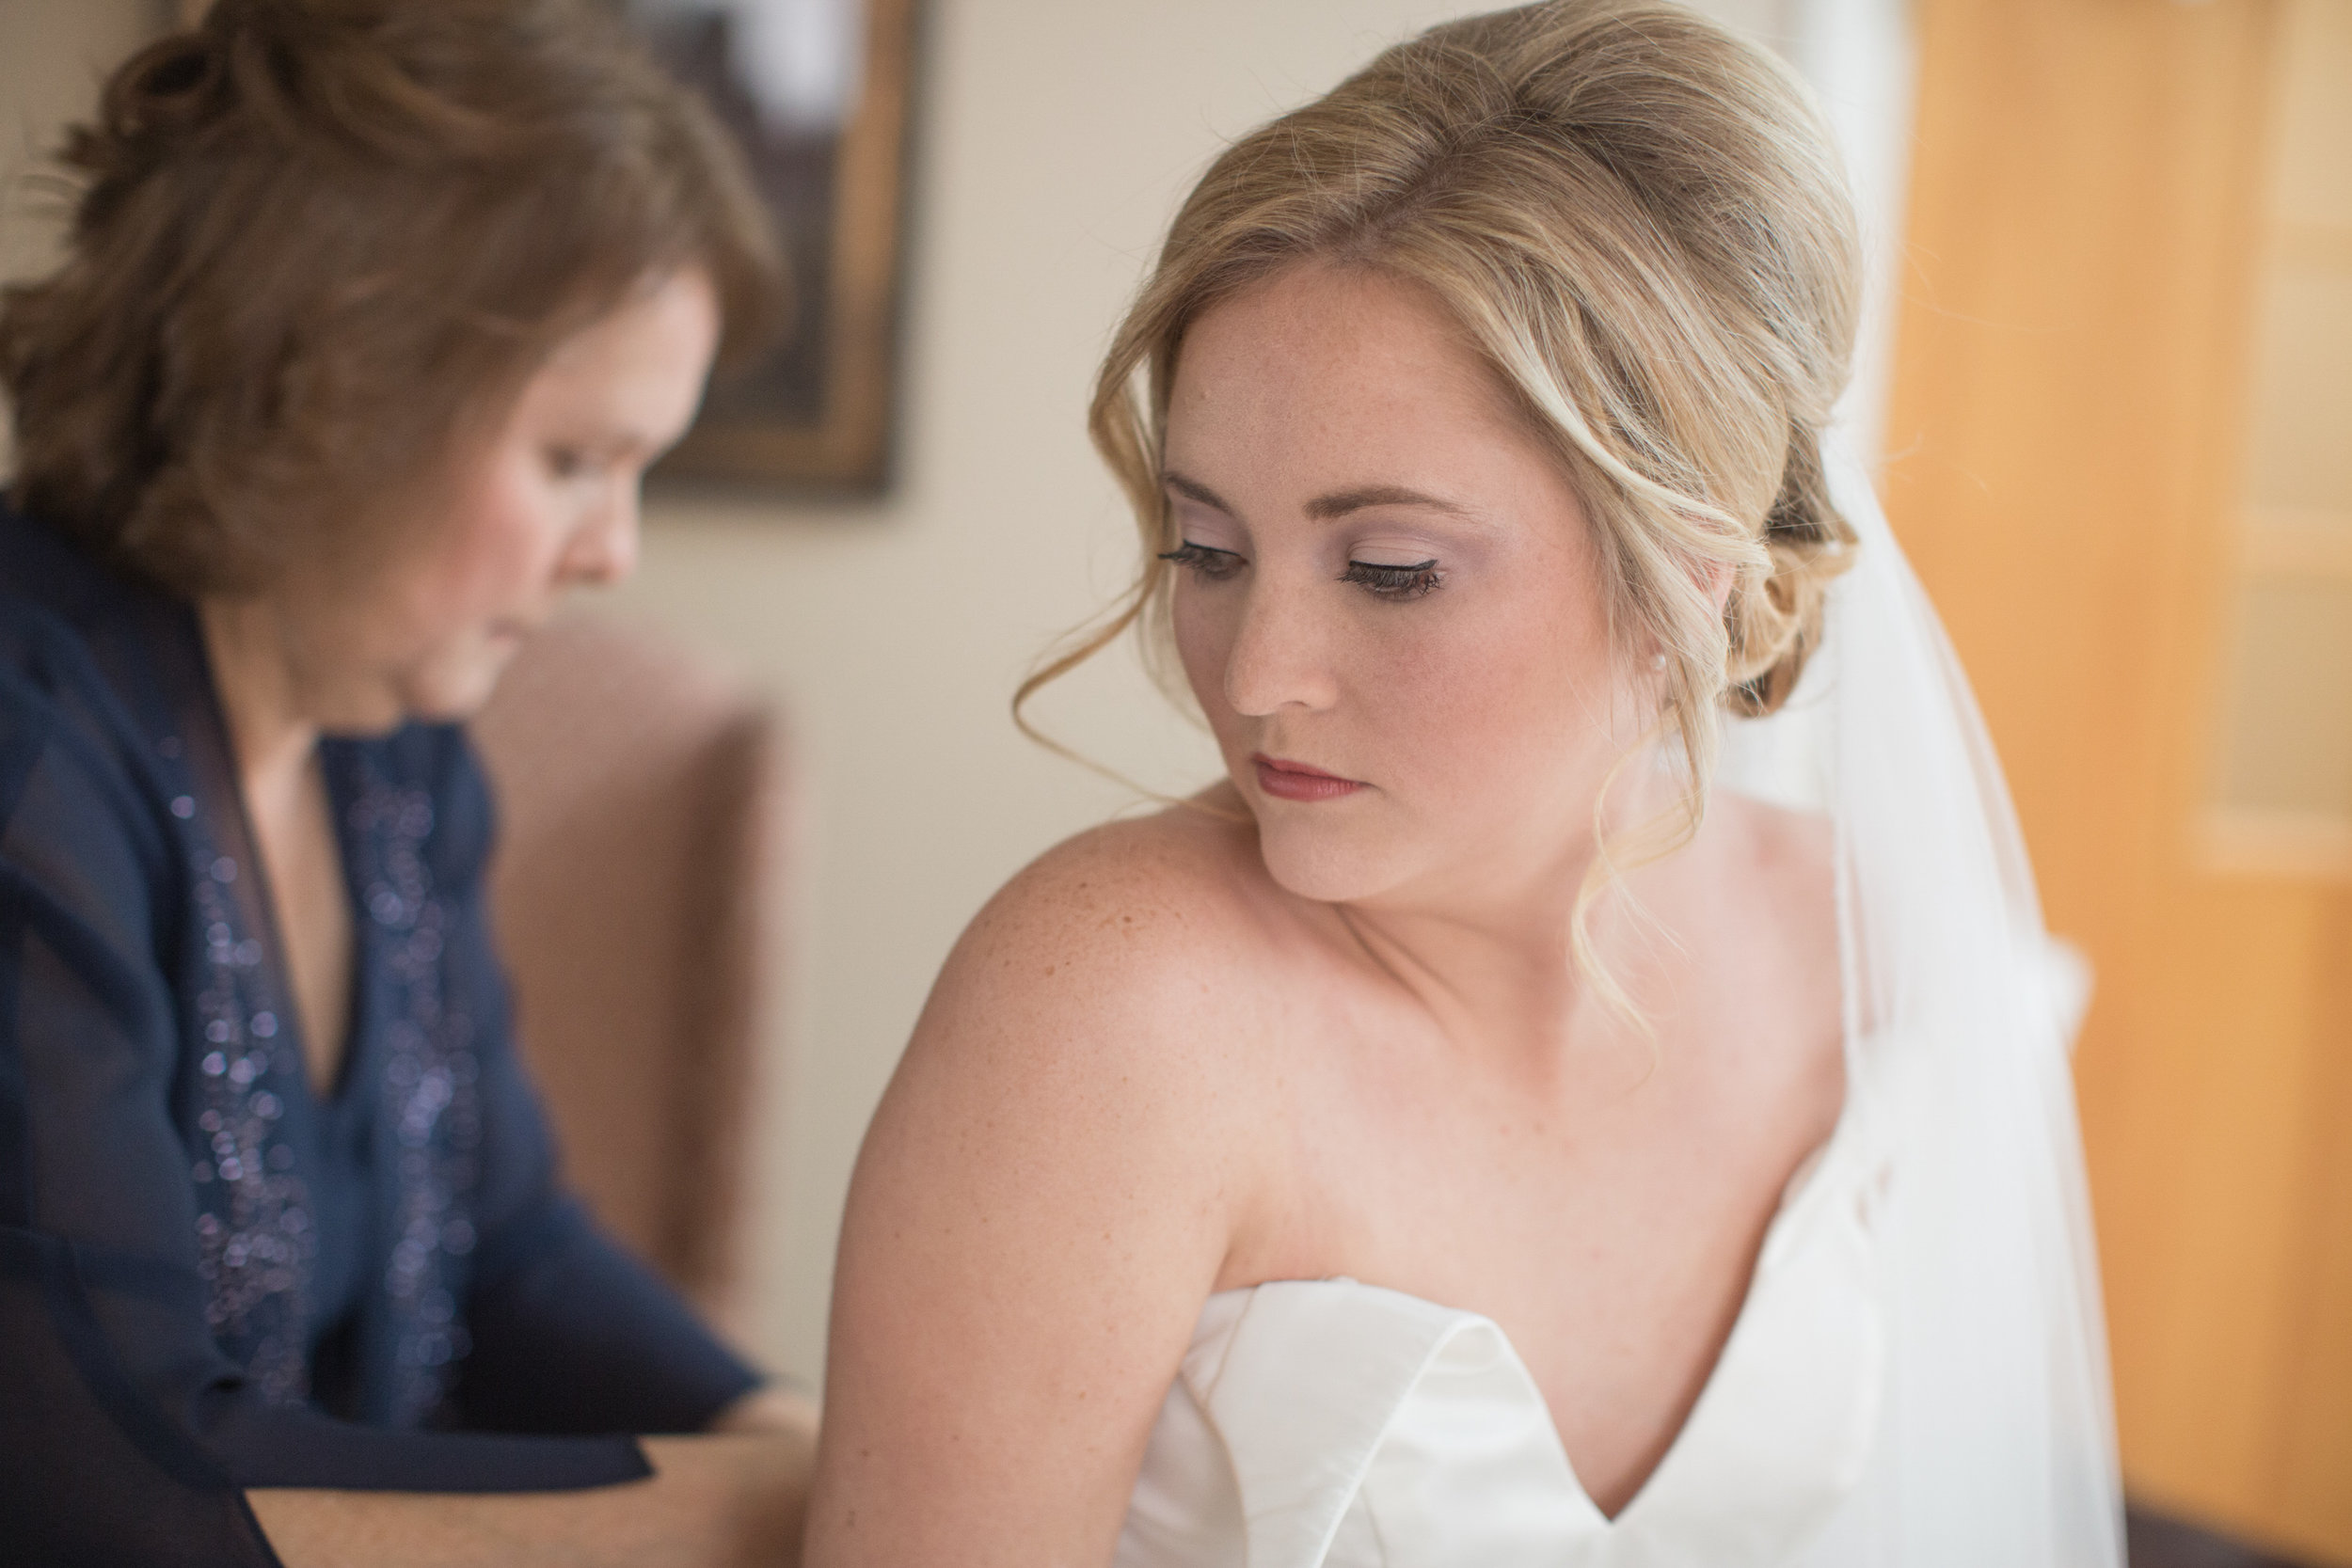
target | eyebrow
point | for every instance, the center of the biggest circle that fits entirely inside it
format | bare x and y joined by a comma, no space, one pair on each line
1338,503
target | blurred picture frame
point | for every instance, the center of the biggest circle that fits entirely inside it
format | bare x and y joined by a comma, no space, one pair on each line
817,93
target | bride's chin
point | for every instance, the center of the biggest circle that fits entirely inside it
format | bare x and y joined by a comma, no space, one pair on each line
1322,868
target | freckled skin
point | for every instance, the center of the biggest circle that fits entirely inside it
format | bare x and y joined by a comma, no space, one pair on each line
1265,1038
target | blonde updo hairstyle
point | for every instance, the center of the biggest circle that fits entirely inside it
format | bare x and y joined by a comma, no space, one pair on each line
1641,222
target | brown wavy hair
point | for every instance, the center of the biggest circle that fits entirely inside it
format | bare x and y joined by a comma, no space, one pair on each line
316,238
1641,222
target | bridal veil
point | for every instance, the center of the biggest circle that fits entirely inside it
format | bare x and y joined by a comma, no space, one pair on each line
1994,1444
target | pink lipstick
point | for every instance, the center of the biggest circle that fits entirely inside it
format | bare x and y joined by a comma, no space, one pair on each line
1297,780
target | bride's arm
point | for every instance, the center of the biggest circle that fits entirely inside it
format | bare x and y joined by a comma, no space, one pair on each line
1041,1209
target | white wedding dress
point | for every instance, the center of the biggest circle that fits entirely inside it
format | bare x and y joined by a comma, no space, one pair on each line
1332,1424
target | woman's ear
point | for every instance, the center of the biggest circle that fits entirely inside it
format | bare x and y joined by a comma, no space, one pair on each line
1719,578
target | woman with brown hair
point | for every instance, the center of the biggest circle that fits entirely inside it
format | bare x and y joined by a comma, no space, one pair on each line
1583,1090
374,315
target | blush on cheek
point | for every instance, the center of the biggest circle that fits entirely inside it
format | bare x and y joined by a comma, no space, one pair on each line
501,549
1201,650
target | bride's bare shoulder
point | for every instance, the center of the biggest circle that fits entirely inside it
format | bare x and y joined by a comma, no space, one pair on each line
1192,866
1791,850
1781,886
1084,1065
1112,937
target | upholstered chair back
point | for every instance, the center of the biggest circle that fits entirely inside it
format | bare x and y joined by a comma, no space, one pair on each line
635,892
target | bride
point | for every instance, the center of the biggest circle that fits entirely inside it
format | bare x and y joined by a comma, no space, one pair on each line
1583,1090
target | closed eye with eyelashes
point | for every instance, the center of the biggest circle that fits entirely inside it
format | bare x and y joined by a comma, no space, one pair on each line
1383,580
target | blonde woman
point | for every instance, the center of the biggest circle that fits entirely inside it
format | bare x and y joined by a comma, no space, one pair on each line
1475,1131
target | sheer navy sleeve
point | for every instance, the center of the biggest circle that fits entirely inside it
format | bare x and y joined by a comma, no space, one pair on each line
97,1471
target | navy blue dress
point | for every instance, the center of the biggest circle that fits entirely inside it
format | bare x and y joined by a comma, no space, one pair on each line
213,1276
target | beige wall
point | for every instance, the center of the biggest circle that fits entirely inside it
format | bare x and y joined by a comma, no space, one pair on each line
1055,136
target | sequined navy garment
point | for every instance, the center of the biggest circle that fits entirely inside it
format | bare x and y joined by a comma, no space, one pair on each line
214,1275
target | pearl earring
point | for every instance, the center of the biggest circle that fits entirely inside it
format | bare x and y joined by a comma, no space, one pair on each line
1658,661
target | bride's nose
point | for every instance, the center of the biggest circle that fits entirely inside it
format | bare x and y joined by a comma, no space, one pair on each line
1280,655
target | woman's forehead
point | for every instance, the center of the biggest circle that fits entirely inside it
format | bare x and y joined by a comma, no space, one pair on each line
1343,380
1361,344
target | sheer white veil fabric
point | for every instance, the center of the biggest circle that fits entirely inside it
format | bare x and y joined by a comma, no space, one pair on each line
1994,1444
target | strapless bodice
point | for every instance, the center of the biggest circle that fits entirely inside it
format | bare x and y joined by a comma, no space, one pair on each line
1334,1424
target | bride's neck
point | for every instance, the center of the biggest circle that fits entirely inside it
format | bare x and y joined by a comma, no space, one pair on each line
1493,953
